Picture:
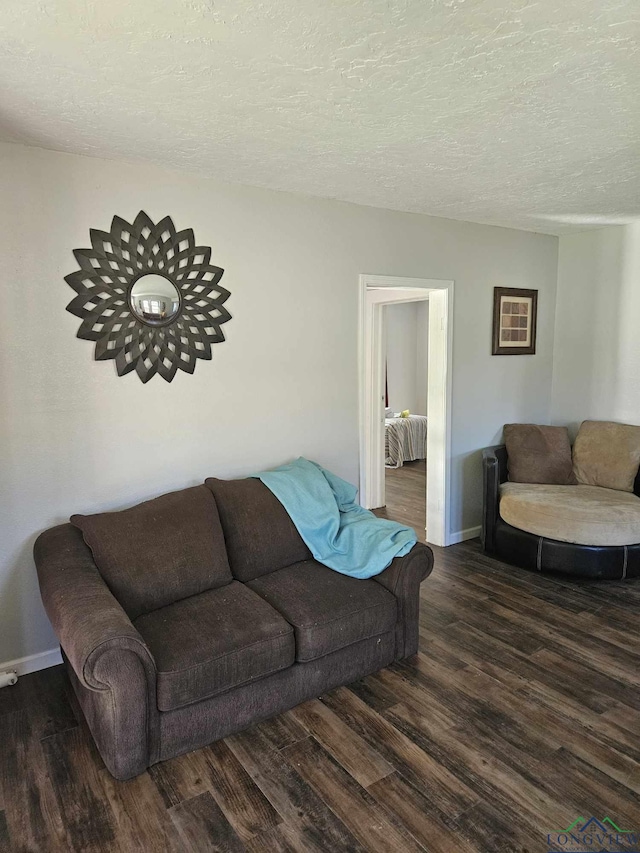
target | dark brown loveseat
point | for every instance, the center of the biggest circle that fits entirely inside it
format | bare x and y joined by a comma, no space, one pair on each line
196,614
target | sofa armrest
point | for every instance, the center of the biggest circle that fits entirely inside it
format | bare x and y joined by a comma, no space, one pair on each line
403,578
111,668
85,616
494,472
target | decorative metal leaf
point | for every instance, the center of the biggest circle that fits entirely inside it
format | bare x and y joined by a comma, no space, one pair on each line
108,271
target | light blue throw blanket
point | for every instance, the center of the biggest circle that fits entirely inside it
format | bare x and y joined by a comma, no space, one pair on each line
339,533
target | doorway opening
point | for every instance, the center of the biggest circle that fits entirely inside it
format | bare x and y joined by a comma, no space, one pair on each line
376,293
406,339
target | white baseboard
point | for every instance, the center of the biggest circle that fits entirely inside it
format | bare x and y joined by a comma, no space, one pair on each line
463,535
32,663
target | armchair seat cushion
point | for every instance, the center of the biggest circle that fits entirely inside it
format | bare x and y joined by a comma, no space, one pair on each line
327,610
214,641
583,515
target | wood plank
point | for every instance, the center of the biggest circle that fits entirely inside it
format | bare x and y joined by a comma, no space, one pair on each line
293,799
356,808
5,842
403,682
580,645
514,778
243,803
597,680
86,812
599,793
280,839
141,821
216,769
581,717
490,654
373,693
561,721
490,767
438,784
485,574
364,763
484,620
481,568
614,629
28,791
623,717
398,797
203,827
282,730
473,699
182,778
495,830
545,729
47,696
406,496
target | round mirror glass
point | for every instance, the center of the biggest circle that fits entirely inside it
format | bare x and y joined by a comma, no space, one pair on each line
154,300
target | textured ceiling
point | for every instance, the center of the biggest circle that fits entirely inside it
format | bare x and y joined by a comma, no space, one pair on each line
516,113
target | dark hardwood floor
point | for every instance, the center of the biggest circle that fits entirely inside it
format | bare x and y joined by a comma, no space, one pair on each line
520,714
406,495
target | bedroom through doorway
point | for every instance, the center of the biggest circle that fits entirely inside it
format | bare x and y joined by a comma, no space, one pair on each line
405,344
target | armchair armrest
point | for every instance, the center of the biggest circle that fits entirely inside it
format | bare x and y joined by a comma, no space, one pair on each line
403,578
494,472
112,670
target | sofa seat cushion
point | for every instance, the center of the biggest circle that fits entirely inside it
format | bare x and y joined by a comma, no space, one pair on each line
584,515
211,642
327,610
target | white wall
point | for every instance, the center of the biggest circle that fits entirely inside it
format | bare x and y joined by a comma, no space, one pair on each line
401,356
407,356
597,342
76,437
422,356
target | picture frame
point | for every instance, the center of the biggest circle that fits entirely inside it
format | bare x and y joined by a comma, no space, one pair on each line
515,315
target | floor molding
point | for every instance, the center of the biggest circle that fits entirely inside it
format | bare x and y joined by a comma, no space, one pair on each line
32,663
463,535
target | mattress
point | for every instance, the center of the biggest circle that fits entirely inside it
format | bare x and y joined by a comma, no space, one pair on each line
405,439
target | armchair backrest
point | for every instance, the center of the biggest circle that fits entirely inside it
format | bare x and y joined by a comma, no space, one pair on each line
499,453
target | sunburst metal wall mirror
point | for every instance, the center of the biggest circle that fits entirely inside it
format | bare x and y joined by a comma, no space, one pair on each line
148,297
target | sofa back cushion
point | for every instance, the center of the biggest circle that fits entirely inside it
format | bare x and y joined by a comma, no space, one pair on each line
160,551
539,454
259,533
607,454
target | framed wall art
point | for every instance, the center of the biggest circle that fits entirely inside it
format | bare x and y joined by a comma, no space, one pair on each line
515,312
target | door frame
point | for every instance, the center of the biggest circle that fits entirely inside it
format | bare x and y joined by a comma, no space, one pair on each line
375,292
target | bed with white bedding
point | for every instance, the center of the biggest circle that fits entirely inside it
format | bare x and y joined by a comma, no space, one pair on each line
405,439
